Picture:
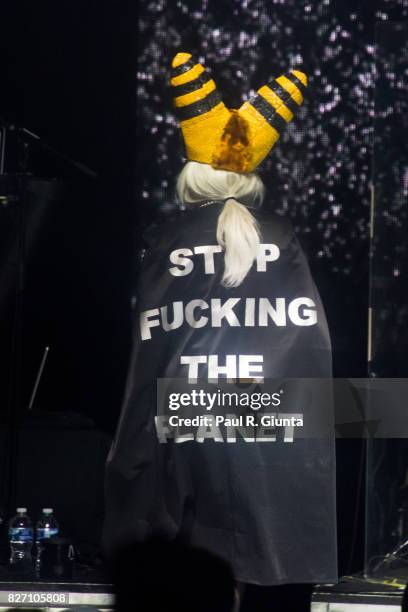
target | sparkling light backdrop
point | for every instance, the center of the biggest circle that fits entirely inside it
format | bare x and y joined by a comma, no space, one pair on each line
389,289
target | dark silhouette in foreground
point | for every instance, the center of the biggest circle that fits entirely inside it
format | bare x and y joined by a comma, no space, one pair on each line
163,576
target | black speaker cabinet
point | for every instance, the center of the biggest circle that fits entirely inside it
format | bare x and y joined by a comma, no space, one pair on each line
62,469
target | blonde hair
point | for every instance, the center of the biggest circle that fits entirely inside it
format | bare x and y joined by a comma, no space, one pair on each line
237,230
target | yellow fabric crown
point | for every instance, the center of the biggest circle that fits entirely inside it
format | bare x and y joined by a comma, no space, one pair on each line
229,139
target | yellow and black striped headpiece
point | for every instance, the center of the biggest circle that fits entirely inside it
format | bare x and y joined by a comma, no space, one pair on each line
229,139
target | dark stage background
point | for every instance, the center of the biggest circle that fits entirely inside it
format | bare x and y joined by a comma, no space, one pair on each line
91,78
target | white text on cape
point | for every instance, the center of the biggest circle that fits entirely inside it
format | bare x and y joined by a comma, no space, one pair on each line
258,312
254,312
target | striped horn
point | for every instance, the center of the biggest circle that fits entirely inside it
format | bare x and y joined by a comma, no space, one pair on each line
199,107
272,108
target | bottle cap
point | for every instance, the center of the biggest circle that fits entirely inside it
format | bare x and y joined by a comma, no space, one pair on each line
21,510
47,510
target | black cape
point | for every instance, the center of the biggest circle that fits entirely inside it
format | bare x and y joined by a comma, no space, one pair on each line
267,508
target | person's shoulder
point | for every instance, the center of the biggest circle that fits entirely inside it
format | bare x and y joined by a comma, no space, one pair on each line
266,215
165,224
275,226
184,224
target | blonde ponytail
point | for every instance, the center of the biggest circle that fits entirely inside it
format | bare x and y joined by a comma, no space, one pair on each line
238,234
237,230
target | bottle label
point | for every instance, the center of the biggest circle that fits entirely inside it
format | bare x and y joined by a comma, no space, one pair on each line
43,533
21,534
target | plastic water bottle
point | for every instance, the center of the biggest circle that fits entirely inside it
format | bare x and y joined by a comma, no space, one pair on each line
46,527
21,537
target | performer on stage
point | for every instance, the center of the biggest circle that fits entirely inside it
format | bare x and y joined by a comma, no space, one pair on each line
225,291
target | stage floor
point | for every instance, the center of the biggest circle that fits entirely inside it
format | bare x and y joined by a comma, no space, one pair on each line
359,594
351,594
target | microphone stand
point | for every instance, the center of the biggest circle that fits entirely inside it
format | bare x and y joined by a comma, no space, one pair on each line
29,136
